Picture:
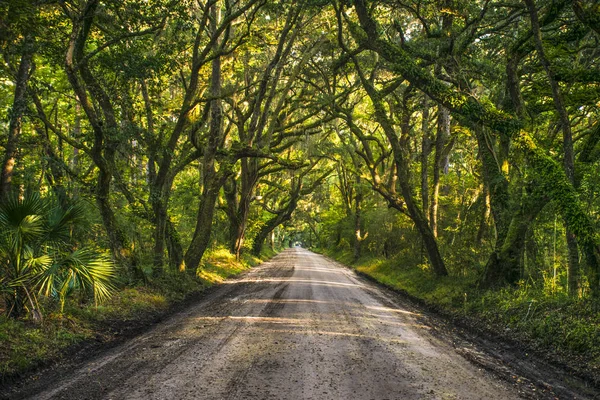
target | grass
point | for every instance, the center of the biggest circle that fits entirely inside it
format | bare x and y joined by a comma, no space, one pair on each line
551,323
25,346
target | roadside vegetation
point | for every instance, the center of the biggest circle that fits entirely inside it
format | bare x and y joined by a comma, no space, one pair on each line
452,148
26,345
542,320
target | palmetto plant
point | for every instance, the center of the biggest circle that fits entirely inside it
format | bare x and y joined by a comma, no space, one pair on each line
37,256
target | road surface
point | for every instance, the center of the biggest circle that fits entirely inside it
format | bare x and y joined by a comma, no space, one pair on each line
297,327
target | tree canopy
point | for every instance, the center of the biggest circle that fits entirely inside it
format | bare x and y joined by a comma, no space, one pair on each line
459,136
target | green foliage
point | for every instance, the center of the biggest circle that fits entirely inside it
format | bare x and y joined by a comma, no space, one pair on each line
37,256
23,346
130,132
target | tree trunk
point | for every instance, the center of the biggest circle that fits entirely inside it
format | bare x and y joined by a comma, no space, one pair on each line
204,220
272,240
568,155
212,179
280,218
485,214
265,231
497,185
239,210
441,139
16,115
425,151
239,235
174,247
418,217
358,238
159,208
505,264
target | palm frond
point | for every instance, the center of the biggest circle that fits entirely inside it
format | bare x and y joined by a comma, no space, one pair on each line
15,209
60,222
85,270
48,280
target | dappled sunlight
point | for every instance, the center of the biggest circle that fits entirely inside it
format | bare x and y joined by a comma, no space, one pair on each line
340,334
256,319
303,322
355,305
208,276
300,301
394,310
377,316
387,322
306,327
324,270
294,280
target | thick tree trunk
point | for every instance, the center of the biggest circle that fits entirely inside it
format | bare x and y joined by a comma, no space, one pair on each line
174,247
267,229
237,239
212,179
239,210
485,214
204,220
281,217
568,154
159,208
239,223
441,140
505,265
425,151
498,269
16,115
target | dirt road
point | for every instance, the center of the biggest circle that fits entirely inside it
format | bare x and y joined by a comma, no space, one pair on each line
297,327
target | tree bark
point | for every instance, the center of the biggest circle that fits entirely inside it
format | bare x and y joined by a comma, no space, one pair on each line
16,115
159,209
212,179
358,238
103,149
425,151
505,265
268,228
568,153
441,140
485,214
